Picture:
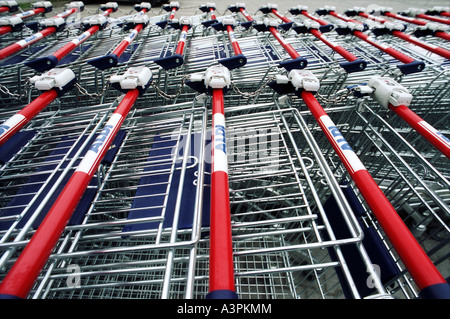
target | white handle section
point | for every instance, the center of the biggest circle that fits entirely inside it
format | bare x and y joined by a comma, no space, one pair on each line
53,78
220,161
387,91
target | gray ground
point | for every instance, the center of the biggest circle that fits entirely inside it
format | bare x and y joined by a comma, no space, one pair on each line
189,7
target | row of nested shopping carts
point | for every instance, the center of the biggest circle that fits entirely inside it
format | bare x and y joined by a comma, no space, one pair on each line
299,154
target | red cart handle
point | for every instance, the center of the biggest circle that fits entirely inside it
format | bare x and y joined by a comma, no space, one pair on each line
221,269
53,84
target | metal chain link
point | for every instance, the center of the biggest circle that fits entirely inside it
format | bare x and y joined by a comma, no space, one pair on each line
83,91
170,96
16,96
334,99
252,94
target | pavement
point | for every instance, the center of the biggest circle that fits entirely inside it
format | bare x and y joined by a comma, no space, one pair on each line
190,7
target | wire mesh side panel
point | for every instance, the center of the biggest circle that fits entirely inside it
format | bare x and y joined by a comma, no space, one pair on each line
32,177
284,246
412,174
140,231
417,189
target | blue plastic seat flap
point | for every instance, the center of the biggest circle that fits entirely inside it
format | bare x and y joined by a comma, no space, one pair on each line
151,193
14,144
372,242
34,184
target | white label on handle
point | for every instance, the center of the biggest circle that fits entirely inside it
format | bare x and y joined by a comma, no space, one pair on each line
245,13
220,161
232,36
325,39
432,46
183,36
339,140
83,37
66,13
10,123
91,157
382,45
31,39
131,36
25,14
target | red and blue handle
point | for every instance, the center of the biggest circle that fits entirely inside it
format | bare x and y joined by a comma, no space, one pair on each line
112,59
221,269
410,38
23,15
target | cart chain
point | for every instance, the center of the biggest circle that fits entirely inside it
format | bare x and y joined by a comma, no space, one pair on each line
170,96
83,91
16,96
336,98
252,94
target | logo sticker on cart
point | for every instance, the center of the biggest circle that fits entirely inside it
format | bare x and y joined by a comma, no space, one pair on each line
81,38
3,129
220,149
183,36
100,140
232,37
91,157
30,39
66,13
350,156
12,122
131,36
435,132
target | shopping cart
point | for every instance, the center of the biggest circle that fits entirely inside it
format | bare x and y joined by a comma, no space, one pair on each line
150,165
